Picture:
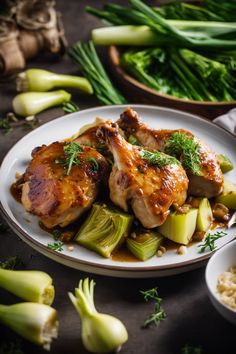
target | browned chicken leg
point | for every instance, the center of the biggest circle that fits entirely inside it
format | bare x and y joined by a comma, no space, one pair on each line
57,192
199,161
150,181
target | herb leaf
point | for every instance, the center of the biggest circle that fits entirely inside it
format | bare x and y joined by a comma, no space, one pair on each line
209,242
95,165
157,158
159,314
56,246
70,107
71,151
187,148
11,262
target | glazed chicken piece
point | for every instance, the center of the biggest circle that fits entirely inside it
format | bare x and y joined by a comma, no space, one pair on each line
150,187
206,181
56,193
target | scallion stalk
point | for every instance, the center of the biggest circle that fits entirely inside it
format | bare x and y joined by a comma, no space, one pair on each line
101,333
29,285
43,80
30,103
35,322
86,56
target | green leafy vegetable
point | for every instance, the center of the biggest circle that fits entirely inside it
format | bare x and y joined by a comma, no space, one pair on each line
86,56
186,148
209,241
158,314
56,246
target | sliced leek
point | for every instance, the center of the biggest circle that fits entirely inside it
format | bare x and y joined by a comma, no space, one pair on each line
144,245
104,229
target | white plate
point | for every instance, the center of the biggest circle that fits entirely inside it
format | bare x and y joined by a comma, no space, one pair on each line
26,225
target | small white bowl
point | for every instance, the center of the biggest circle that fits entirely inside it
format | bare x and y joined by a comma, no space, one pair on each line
220,262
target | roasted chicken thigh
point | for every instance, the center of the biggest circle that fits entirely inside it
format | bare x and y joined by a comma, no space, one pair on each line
149,181
199,161
59,187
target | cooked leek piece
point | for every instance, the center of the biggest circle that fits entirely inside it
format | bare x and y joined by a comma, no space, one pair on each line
104,229
228,196
225,164
179,227
144,245
204,216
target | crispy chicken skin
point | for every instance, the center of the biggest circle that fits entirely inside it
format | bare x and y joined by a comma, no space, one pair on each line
55,197
208,183
149,189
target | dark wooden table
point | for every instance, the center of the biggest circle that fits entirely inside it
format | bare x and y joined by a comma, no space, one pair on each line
191,318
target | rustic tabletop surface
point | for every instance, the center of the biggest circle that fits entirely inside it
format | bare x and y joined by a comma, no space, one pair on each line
191,318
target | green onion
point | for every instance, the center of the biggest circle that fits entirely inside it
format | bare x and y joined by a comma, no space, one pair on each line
29,285
31,103
144,245
43,80
189,34
101,333
36,322
104,230
86,56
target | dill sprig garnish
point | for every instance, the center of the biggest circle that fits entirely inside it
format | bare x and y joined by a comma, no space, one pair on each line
56,246
157,158
209,242
185,148
71,151
159,314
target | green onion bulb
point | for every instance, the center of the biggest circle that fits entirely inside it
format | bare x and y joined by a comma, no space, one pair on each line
29,285
101,333
36,322
30,103
43,80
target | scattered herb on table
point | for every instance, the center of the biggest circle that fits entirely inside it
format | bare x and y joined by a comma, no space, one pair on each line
189,349
5,125
159,314
11,262
187,148
70,107
11,347
209,241
56,246
86,56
